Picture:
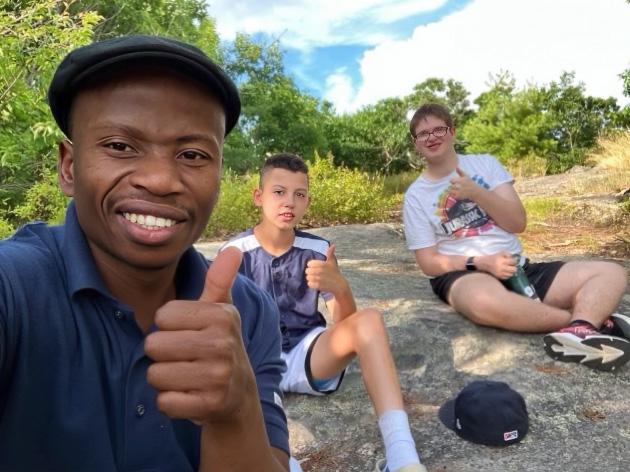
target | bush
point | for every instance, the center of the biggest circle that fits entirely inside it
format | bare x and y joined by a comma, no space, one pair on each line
235,211
6,228
44,201
339,196
344,196
528,166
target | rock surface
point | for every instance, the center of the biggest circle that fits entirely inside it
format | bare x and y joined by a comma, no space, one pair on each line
579,418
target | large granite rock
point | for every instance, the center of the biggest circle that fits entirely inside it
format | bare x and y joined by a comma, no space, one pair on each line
579,418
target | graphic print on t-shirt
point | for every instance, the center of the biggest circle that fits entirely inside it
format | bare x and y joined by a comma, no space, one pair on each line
462,218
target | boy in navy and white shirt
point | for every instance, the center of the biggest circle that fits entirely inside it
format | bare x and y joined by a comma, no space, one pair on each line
294,267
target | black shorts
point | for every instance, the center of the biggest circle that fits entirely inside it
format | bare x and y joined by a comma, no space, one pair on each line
540,274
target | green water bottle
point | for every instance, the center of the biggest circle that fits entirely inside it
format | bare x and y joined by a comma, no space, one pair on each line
519,283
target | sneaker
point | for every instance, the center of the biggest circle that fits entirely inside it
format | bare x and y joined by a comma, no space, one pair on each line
581,342
620,325
381,466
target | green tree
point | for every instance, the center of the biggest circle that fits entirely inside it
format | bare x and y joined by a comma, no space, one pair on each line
383,130
186,20
33,39
510,123
276,115
575,120
450,93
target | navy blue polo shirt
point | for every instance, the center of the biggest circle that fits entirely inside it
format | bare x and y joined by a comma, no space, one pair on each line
284,279
73,388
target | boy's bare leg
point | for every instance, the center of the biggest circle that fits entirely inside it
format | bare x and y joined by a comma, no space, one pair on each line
485,301
590,290
362,334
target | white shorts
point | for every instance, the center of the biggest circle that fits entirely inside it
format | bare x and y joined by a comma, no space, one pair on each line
294,465
297,377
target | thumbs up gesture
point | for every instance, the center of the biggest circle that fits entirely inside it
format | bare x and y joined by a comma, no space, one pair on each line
462,186
201,368
325,275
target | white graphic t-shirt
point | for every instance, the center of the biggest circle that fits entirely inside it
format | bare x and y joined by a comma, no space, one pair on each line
432,216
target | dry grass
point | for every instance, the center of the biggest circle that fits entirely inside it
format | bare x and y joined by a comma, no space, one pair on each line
583,212
613,153
612,160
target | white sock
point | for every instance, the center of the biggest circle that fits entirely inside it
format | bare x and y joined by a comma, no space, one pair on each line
400,448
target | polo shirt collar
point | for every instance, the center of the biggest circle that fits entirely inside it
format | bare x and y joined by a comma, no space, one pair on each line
83,274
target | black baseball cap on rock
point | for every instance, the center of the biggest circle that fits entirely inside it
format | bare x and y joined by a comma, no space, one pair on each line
87,61
487,412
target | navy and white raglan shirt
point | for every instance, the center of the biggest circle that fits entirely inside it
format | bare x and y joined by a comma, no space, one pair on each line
73,389
283,278
434,217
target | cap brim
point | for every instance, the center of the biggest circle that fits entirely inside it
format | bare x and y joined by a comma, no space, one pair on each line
447,414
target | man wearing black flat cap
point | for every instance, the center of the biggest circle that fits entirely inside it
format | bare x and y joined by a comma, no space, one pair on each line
119,349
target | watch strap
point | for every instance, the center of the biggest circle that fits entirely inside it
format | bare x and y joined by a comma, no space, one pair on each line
470,263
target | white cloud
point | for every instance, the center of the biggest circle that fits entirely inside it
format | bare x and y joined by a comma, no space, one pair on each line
535,40
339,90
304,24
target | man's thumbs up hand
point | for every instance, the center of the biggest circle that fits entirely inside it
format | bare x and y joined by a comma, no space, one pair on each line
221,275
201,369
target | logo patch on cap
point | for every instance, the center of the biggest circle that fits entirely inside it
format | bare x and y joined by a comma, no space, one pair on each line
510,435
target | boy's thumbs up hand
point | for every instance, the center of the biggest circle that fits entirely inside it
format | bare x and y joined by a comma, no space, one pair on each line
460,172
325,276
463,186
201,369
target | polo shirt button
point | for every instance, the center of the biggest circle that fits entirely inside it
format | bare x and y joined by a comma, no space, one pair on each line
119,314
276,275
140,410
275,263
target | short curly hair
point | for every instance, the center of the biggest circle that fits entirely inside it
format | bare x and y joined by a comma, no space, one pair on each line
283,160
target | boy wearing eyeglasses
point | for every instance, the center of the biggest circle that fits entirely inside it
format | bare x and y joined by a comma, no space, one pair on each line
461,216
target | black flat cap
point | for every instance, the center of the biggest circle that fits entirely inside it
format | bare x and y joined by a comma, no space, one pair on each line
84,62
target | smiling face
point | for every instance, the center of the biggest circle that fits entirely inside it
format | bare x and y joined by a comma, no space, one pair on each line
283,197
436,150
144,167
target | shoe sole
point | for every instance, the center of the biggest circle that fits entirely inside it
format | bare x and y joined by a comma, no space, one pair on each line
596,351
621,326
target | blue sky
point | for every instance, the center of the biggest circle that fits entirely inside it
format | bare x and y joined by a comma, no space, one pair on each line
354,53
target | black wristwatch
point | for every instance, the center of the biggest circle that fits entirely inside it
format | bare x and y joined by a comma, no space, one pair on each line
470,263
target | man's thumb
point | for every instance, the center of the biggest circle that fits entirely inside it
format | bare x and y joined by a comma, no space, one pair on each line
330,253
460,172
221,275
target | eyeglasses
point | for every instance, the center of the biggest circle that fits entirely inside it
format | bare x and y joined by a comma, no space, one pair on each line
438,132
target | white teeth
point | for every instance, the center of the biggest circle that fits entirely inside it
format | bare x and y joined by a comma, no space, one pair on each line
149,221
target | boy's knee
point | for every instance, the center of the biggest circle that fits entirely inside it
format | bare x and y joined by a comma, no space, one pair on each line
369,323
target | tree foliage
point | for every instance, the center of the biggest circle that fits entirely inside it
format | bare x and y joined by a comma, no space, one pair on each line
276,115
557,122
450,93
186,20
34,37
